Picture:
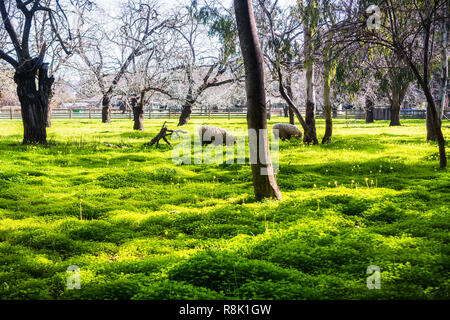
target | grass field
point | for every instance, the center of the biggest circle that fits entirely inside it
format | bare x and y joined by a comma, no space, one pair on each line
141,227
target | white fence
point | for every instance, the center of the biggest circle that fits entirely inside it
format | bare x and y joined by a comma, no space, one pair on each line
13,113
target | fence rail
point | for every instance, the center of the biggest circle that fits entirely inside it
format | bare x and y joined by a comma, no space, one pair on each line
13,113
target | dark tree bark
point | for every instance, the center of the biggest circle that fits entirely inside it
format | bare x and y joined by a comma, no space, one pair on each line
34,100
186,113
310,115
327,76
395,111
264,180
328,113
431,131
34,86
395,116
162,135
369,110
106,109
138,112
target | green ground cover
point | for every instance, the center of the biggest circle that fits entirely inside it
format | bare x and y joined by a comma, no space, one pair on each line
141,227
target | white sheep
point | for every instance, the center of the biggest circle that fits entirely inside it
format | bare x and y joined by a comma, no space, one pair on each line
286,131
216,135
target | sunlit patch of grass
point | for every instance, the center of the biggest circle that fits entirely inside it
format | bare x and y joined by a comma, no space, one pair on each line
141,227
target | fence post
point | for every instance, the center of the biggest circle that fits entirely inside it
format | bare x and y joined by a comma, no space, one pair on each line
229,114
10,113
150,112
70,113
346,114
209,114
169,114
129,114
90,116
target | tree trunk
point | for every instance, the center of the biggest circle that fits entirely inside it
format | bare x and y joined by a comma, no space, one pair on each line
291,95
395,115
264,180
186,113
138,112
327,106
34,100
369,111
291,117
106,109
310,116
432,111
48,122
436,125
395,107
431,131
443,96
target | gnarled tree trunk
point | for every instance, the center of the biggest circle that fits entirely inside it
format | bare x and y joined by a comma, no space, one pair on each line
138,112
186,113
34,100
264,180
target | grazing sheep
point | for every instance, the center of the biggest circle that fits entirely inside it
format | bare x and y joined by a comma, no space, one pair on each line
286,131
212,132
